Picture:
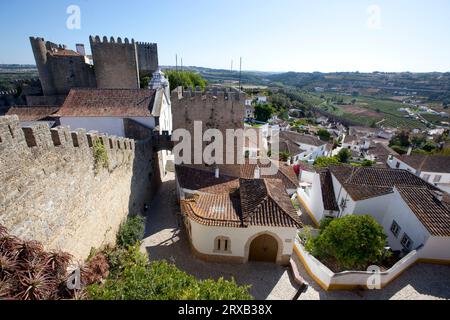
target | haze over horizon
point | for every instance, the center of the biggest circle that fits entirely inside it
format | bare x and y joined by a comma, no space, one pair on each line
287,35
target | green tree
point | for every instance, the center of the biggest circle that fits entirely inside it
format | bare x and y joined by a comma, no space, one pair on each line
263,112
284,156
354,241
186,79
133,277
324,135
401,139
131,232
344,155
323,162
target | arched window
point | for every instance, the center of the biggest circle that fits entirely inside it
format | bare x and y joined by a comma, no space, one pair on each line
222,244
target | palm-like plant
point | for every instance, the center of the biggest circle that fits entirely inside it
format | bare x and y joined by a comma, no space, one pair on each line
58,261
35,286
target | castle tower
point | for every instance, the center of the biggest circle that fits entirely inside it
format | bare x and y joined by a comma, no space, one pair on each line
147,58
116,63
39,48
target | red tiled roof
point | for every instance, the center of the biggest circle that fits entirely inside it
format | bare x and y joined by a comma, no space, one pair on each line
431,212
34,113
301,138
108,103
328,197
368,182
428,163
259,202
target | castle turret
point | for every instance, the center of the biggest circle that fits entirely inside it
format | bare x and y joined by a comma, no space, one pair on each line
39,48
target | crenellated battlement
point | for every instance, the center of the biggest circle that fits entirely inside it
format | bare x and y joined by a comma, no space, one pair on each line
214,94
13,137
112,40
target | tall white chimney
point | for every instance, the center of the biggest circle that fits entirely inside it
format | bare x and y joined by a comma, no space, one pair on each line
257,173
409,151
217,173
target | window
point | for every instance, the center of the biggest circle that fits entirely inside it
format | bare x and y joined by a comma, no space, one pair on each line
397,165
222,244
426,177
437,178
395,228
406,242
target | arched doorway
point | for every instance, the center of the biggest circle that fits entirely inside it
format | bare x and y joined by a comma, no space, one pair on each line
263,248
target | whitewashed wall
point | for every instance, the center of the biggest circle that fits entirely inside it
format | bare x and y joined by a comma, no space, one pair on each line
109,125
203,238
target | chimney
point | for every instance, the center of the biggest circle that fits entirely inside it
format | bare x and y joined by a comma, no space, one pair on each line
288,161
217,173
409,151
439,195
257,173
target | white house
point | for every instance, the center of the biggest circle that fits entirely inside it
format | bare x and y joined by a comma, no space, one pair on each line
261,99
302,147
434,169
413,213
356,143
232,214
107,110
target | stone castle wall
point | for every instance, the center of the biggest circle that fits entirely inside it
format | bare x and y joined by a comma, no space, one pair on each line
51,193
148,58
58,74
116,63
216,109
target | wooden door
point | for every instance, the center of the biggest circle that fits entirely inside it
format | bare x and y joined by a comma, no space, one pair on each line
263,248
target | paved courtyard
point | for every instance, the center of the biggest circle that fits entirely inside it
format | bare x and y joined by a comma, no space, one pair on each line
165,239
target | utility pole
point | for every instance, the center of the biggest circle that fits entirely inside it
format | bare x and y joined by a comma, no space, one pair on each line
240,72
176,62
181,64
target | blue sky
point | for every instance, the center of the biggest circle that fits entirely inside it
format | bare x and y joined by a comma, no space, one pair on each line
281,35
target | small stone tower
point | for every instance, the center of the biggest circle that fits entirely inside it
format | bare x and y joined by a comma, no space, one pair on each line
40,55
116,63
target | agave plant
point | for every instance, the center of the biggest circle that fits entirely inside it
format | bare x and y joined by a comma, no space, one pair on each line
58,261
9,244
27,250
5,288
8,264
3,231
35,286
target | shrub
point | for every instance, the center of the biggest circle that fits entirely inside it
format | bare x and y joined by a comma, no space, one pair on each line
131,232
325,161
133,277
354,241
344,155
100,155
324,135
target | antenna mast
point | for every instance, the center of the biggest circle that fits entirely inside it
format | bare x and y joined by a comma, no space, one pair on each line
240,72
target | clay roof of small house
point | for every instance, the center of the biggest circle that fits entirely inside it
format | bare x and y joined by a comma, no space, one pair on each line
108,103
34,113
433,213
290,147
368,182
258,202
301,138
65,52
381,152
427,163
202,177
328,197
350,138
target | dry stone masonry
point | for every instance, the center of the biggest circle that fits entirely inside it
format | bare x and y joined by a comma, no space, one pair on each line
50,191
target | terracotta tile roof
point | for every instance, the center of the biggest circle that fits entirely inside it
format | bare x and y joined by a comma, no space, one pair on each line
265,202
431,212
65,52
350,138
328,197
203,179
368,182
290,147
258,202
35,113
298,138
428,163
381,152
108,103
